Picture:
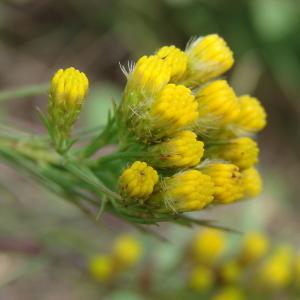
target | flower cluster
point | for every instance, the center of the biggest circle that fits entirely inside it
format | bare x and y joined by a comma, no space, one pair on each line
194,132
126,252
254,266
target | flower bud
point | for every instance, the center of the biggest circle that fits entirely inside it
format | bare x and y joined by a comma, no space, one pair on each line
208,57
175,59
208,246
252,116
137,181
101,267
185,191
227,181
182,150
201,279
252,182
230,271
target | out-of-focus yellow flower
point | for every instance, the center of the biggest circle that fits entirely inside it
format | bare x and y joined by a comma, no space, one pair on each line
185,191
101,267
229,293
230,271
218,105
127,250
208,246
227,181
297,270
208,57
67,93
181,150
254,247
276,271
175,59
138,181
149,75
252,116
242,152
173,108
252,182
201,279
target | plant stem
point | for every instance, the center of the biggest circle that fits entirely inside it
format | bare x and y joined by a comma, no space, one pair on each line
24,91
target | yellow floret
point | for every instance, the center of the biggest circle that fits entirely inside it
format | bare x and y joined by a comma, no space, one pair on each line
201,279
185,191
254,246
252,116
229,293
227,181
68,88
218,105
101,267
208,57
181,150
208,246
252,182
230,271
127,250
174,108
138,181
242,152
276,271
175,59
149,75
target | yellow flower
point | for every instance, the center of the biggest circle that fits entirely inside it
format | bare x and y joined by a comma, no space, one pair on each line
127,250
252,116
68,88
229,293
208,57
149,75
67,93
276,271
101,267
185,191
180,150
138,181
227,181
230,271
218,105
242,152
254,247
175,59
252,182
201,279
208,246
297,270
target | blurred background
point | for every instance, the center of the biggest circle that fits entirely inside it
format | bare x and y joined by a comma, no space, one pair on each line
43,239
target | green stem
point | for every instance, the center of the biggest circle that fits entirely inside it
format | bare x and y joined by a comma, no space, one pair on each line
24,91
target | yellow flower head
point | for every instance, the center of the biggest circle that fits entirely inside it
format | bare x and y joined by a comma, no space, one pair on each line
208,57
254,247
252,182
201,279
185,191
101,267
175,59
127,250
227,181
208,246
230,271
252,116
242,152
68,88
138,181
276,271
180,150
149,75
218,104
229,293
173,108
